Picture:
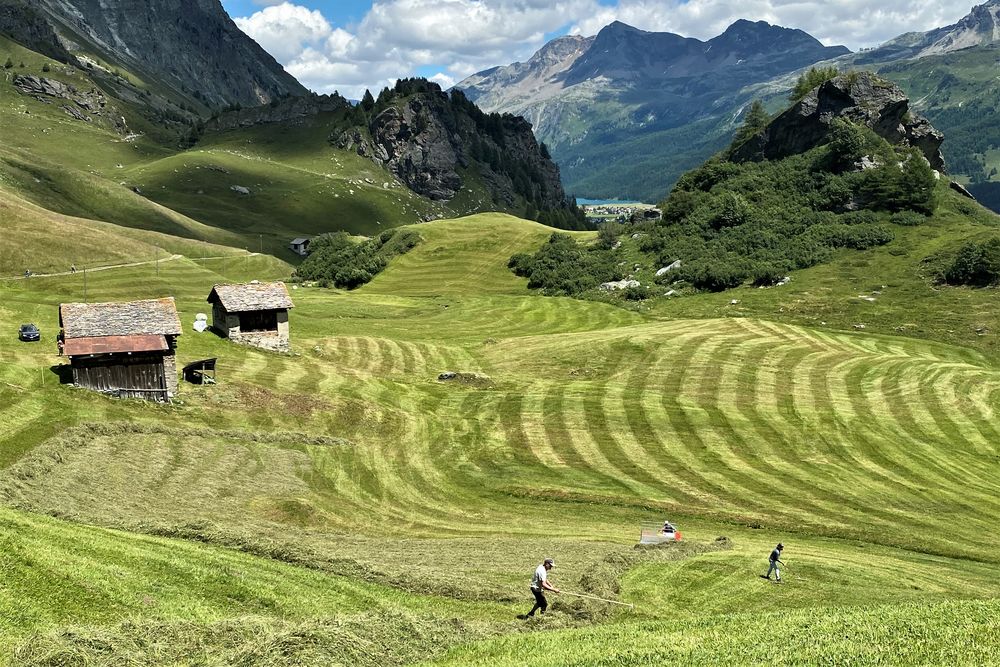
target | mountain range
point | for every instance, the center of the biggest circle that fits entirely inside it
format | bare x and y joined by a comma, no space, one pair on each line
626,112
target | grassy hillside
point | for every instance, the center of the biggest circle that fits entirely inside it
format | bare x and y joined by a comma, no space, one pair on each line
299,184
413,509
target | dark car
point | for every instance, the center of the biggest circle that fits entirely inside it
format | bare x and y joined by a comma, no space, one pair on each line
29,333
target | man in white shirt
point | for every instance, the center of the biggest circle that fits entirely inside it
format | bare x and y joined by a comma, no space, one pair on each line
539,584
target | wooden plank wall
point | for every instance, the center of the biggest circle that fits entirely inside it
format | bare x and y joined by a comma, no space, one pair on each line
128,376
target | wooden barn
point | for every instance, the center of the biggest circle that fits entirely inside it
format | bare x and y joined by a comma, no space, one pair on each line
124,349
252,313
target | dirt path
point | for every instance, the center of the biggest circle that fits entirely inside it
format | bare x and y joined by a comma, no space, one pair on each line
120,266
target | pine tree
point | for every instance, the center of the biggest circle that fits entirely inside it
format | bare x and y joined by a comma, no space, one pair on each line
368,102
754,123
815,77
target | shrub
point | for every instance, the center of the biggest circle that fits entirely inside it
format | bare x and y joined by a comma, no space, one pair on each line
766,275
907,218
563,266
859,237
640,293
716,275
976,264
607,235
860,218
892,187
8,64
46,68
335,259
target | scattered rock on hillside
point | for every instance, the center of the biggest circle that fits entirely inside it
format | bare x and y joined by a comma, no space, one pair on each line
667,269
861,97
619,285
240,189
279,111
961,189
83,106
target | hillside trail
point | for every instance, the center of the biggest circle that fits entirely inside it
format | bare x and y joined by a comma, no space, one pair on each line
108,267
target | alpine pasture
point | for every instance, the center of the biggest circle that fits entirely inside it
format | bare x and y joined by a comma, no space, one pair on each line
342,505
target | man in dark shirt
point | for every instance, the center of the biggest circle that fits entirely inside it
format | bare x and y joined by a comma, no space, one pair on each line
774,560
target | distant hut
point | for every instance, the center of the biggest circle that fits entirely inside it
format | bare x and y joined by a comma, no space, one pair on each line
125,349
253,314
300,246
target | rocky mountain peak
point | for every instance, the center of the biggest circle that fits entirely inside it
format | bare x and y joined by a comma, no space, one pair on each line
981,26
861,97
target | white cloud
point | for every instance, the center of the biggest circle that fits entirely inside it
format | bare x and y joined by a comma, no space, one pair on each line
285,30
396,38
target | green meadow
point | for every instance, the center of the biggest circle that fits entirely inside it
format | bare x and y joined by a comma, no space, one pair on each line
342,505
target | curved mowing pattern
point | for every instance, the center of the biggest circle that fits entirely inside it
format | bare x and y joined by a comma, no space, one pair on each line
744,419
878,440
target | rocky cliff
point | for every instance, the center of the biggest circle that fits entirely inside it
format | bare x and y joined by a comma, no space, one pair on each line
28,26
284,110
861,97
435,142
186,48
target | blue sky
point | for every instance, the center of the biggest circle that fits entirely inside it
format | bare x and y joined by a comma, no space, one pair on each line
350,45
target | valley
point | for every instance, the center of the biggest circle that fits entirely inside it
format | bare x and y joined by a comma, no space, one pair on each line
796,363
349,468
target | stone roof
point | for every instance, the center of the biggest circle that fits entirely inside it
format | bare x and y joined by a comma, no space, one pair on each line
299,241
153,316
251,296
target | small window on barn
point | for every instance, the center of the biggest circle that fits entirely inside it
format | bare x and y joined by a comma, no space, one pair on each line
263,320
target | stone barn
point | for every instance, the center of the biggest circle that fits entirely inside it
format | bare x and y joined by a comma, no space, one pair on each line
300,246
124,349
253,314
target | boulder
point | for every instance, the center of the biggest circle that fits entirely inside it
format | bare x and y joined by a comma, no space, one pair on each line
961,189
619,285
861,97
240,189
667,269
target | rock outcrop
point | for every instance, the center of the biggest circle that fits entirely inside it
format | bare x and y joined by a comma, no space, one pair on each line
80,105
284,110
861,97
428,139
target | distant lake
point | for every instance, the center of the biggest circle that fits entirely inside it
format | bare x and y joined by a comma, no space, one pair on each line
605,202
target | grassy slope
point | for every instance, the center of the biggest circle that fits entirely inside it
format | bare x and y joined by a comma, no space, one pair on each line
300,184
872,457
939,634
